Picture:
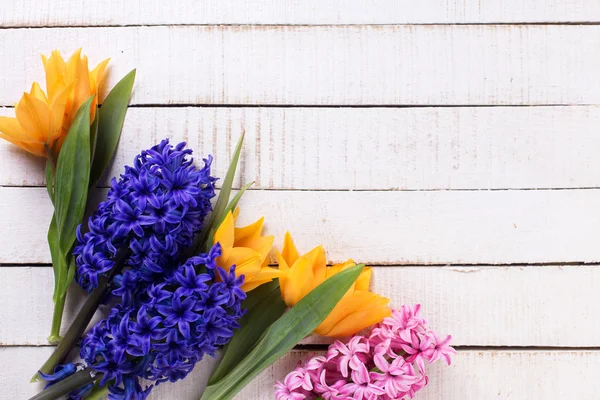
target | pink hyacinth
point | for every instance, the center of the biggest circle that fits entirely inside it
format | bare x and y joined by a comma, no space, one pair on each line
389,363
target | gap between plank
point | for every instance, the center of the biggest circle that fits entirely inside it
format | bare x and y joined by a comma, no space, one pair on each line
309,106
95,26
321,347
541,189
396,265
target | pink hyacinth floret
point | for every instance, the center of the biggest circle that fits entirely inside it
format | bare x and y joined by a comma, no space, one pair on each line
388,363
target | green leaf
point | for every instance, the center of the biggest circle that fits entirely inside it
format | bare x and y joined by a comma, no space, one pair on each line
265,306
54,254
218,213
110,124
232,205
72,178
68,278
285,333
234,202
50,179
94,135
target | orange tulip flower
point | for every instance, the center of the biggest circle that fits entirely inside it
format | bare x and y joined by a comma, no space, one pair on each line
247,249
43,119
357,310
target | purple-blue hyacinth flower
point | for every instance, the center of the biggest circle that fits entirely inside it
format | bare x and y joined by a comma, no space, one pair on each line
60,372
154,209
166,328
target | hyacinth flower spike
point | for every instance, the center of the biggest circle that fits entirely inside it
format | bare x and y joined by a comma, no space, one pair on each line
150,215
167,328
382,364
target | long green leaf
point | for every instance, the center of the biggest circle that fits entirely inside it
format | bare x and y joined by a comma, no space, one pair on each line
221,204
72,178
94,135
285,333
68,278
230,207
218,212
110,124
265,306
54,254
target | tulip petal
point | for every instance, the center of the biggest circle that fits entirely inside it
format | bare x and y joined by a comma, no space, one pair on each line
359,320
57,113
225,233
364,279
316,258
55,70
247,261
289,252
262,245
81,91
37,92
349,304
265,275
34,117
97,75
34,148
299,281
251,231
284,270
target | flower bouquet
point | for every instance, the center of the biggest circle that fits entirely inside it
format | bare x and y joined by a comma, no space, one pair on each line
177,279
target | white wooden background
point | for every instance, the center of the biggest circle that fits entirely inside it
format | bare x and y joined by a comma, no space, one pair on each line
452,144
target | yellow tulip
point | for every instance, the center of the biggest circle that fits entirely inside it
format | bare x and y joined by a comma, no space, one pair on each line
43,119
247,249
357,310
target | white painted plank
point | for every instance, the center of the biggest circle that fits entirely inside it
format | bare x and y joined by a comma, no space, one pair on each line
154,12
479,306
327,65
474,375
437,227
367,148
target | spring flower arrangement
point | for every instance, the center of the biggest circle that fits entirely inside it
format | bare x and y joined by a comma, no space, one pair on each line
177,279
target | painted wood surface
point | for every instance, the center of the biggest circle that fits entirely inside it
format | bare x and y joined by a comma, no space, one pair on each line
474,148
327,65
479,306
396,132
475,375
179,12
440,227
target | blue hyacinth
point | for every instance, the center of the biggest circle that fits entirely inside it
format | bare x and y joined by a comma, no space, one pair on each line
154,209
166,329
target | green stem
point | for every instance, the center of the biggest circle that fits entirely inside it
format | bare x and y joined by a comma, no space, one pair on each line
59,307
67,385
97,392
75,330
82,320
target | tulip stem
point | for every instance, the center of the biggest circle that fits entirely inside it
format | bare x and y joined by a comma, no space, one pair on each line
83,318
59,308
51,158
67,385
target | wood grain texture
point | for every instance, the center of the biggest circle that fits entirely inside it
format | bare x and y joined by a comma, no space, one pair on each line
155,12
366,149
474,375
327,65
442,227
479,306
